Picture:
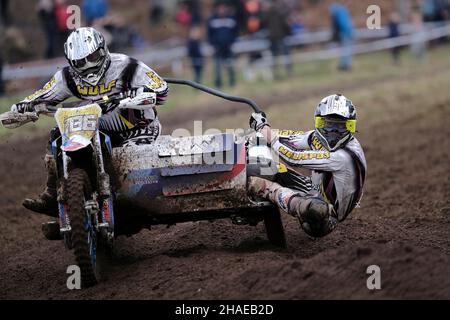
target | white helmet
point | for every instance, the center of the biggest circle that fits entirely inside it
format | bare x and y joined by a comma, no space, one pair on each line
87,53
335,121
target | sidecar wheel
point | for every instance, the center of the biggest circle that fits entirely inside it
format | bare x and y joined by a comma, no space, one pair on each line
274,228
84,236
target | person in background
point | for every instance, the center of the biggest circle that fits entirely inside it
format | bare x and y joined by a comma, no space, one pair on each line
156,11
4,13
223,31
237,9
343,34
195,52
2,85
94,9
295,23
252,15
419,43
62,31
194,9
394,32
46,13
278,29
183,15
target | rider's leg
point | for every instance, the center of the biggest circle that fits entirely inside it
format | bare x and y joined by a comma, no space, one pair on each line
46,202
315,215
141,134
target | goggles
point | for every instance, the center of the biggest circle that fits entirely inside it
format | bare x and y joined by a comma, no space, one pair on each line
335,125
90,61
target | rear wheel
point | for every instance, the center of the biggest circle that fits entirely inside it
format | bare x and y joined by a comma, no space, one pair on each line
274,228
84,235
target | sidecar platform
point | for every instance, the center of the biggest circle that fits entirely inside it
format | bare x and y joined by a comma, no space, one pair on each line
183,175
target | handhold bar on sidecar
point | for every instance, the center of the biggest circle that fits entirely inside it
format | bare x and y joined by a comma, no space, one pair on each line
215,92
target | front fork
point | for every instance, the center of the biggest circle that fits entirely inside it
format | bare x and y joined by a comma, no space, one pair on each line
104,225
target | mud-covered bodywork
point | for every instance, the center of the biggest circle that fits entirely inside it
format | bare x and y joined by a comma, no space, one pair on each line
181,175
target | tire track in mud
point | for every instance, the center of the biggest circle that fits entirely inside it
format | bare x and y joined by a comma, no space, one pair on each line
402,227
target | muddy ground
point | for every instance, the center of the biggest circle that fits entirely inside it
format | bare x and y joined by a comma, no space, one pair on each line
403,227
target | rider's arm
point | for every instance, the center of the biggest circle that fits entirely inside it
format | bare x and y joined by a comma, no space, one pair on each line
54,92
309,159
149,79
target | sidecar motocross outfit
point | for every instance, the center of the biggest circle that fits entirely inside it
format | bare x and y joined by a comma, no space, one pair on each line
336,180
124,126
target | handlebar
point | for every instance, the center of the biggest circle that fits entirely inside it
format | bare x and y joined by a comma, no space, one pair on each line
41,106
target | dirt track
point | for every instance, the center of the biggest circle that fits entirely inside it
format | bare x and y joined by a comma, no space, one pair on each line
403,226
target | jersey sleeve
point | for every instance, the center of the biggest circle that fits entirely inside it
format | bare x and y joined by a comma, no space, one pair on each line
54,91
307,158
295,139
147,77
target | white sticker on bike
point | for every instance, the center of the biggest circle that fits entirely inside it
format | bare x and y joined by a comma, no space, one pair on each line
80,123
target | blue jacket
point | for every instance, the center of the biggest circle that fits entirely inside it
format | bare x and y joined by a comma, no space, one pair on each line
94,9
342,21
222,32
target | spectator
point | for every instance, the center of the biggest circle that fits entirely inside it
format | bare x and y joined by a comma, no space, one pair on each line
237,9
222,33
62,31
118,33
195,52
252,16
4,13
194,9
156,11
2,86
183,15
278,29
2,45
94,9
418,45
343,34
428,10
394,32
296,24
435,10
46,12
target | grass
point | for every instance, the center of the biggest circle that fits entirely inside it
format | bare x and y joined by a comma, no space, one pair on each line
388,87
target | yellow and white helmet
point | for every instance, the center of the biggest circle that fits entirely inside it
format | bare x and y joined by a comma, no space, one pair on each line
335,121
87,53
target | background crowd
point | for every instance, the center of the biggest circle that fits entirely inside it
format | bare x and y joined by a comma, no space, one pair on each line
217,24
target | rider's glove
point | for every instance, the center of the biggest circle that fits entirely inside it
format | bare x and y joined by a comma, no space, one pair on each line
258,121
22,107
135,92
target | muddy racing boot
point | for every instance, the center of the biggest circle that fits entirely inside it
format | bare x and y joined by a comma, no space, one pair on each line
46,202
316,217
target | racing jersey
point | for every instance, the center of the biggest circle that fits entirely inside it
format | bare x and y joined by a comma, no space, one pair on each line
338,175
123,74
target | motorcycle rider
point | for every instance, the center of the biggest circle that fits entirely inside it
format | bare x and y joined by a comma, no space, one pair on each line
334,157
92,74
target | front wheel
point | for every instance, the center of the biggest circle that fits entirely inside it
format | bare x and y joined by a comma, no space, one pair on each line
84,235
